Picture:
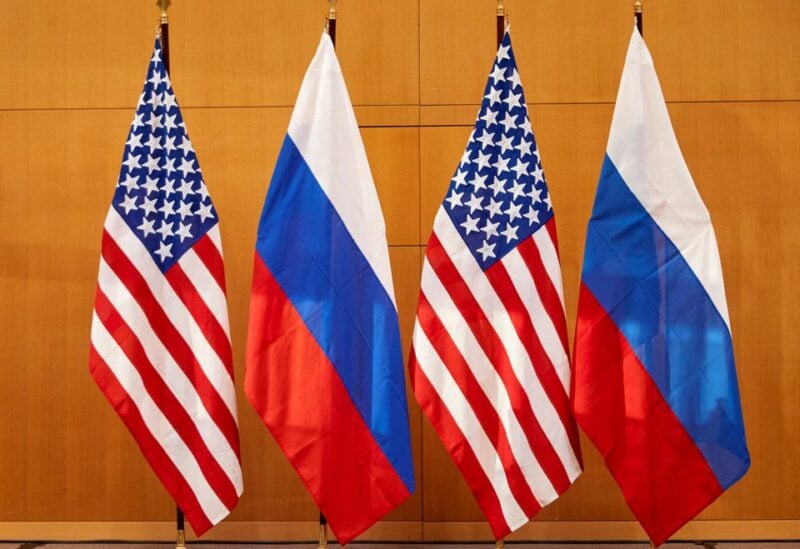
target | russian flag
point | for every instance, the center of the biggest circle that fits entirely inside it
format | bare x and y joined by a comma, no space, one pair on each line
655,382
324,360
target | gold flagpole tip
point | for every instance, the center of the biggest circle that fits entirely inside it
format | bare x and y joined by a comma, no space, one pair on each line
501,8
332,10
637,6
163,5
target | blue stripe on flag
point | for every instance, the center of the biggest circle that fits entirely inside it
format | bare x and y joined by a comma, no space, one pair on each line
654,297
310,252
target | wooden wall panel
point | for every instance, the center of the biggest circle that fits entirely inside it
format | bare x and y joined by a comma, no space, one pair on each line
415,70
573,52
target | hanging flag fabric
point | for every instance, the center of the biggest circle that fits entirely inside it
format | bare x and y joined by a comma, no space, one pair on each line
655,381
160,345
324,361
489,363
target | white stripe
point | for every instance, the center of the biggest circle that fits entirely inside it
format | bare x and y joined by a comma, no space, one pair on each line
497,314
489,380
207,287
542,323
549,255
215,236
325,131
156,423
173,307
462,413
174,377
643,147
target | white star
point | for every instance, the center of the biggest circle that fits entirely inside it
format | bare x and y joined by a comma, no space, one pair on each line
513,211
169,122
509,122
493,96
187,167
494,207
510,233
131,183
185,209
526,126
169,167
147,227
490,229
499,73
156,79
538,174
454,199
156,59
505,143
168,100
134,141
497,186
486,139
538,156
204,211
532,216
471,224
524,147
460,178
186,188
184,232
535,194
155,101
129,203
474,203
513,100
514,79
153,142
465,158
168,188
546,200
164,251
132,162
502,53
137,121
149,206
487,250
203,192
151,185
186,145
169,143
483,160
490,117
154,122
152,164
167,208
165,230
501,165
478,182
141,100
517,189
520,168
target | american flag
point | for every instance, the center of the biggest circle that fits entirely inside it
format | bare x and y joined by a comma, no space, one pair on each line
489,362
160,349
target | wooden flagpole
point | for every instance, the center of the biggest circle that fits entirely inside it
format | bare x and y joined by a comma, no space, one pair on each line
637,14
163,29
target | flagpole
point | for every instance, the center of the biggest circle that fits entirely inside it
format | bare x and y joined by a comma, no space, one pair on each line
637,14
330,24
501,21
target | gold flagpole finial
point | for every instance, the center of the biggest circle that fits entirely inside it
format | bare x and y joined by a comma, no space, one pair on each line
163,5
501,8
637,6
332,10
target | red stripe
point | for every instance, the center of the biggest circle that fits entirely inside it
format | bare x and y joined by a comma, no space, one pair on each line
544,285
171,338
303,402
663,475
487,415
458,447
492,345
165,399
206,320
211,257
548,376
160,462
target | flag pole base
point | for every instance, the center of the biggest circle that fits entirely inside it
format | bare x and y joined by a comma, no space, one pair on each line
180,543
323,536
499,544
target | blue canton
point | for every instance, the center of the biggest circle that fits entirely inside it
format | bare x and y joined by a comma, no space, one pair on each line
498,196
161,194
